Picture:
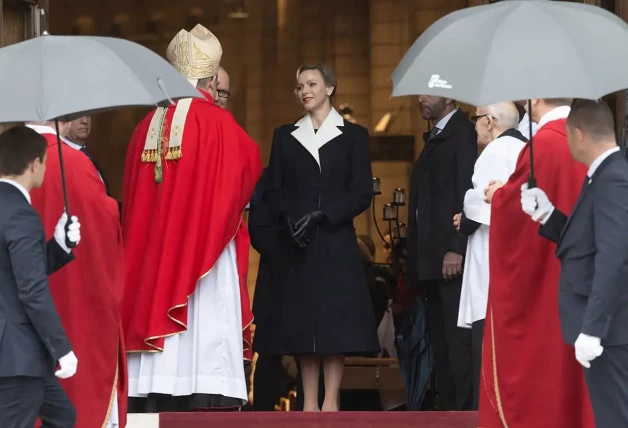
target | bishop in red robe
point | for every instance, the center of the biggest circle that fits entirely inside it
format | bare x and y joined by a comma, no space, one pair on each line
88,291
529,375
190,172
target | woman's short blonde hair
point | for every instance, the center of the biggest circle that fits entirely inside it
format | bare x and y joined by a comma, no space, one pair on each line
329,77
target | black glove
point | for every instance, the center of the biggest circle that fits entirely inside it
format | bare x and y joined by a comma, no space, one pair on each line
306,223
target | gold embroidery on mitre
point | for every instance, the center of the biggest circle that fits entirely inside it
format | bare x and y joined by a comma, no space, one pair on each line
195,54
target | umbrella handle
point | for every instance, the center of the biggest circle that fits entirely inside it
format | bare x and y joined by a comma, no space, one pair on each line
68,243
531,178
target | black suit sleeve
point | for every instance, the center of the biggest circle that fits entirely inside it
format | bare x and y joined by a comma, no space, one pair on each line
468,226
24,235
610,217
274,192
465,157
262,229
359,195
554,226
56,257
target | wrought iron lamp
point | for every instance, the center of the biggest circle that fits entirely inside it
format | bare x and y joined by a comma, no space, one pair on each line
390,214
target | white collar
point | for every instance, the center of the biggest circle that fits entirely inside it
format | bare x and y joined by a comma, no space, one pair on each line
71,143
443,122
333,118
556,113
42,129
313,141
598,161
18,186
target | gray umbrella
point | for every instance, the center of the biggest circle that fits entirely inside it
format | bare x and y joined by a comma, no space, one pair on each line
64,77
518,50
52,77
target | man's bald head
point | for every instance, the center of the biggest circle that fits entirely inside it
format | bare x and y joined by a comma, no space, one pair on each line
224,83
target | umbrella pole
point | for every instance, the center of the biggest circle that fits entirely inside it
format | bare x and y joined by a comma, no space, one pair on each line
68,243
531,178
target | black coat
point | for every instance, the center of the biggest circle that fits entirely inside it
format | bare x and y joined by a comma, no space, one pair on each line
263,231
440,178
323,304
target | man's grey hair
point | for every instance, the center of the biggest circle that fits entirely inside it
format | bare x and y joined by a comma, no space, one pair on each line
505,114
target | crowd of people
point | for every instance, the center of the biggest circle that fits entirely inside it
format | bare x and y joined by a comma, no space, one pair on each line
144,307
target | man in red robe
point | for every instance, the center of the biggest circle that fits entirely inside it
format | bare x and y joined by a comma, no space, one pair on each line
529,376
88,291
190,172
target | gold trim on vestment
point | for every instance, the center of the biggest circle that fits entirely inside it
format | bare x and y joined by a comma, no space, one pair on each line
113,392
500,408
163,141
185,327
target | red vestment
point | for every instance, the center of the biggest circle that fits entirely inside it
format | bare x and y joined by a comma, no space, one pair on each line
88,291
175,231
530,377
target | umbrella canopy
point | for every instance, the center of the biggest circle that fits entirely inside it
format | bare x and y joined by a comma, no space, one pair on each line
517,50
64,77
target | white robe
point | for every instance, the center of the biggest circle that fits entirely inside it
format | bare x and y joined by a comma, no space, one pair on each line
208,357
497,162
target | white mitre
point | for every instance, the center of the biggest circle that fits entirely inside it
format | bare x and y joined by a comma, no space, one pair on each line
196,55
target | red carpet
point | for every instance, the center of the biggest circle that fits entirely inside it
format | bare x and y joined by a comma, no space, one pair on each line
320,420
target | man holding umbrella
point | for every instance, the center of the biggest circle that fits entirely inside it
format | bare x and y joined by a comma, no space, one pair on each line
190,172
87,292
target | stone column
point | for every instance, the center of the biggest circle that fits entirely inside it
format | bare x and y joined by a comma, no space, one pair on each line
350,57
391,36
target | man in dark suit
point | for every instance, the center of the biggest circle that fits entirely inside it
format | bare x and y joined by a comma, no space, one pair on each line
32,339
440,178
593,250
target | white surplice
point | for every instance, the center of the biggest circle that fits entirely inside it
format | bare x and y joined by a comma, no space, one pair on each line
497,162
207,358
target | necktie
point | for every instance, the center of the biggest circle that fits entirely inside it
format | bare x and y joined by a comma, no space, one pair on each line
434,132
84,150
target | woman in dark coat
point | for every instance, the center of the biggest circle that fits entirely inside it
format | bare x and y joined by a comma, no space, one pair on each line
319,179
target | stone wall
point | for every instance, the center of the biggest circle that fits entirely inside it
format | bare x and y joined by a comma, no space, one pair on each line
363,40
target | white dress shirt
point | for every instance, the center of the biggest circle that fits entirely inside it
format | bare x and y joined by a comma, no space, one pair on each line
18,186
598,160
443,122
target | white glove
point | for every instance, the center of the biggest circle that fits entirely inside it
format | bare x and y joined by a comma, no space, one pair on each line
74,232
68,365
534,202
588,348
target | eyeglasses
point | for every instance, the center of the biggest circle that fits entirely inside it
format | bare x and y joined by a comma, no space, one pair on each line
474,119
223,94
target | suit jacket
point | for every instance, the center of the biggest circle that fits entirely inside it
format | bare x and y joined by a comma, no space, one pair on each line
32,338
440,178
593,251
